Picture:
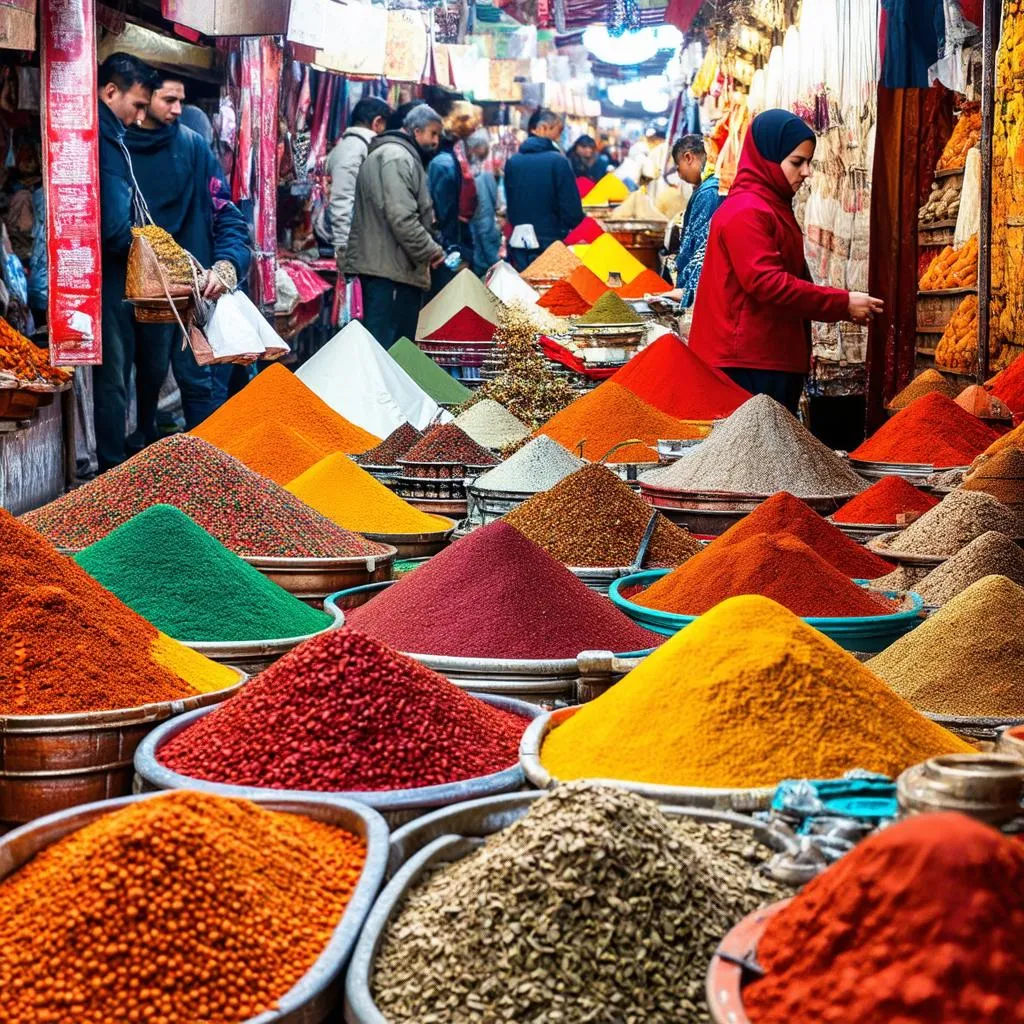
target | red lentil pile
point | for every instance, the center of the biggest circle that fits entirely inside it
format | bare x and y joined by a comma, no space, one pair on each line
594,519
883,503
495,594
933,431
343,712
247,513
780,567
392,448
449,443
179,909
785,515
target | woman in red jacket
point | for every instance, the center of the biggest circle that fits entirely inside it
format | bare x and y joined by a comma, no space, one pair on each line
755,300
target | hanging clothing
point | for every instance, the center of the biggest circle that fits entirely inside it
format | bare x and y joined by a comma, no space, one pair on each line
756,300
694,238
913,31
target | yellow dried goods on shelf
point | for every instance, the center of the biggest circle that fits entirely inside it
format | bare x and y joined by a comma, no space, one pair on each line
958,348
953,268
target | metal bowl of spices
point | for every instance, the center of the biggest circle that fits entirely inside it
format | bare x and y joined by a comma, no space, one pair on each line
880,546
1011,741
861,532
51,762
975,730
916,473
416,545
315,995
986,786
312,579
679,796
255,655
397,805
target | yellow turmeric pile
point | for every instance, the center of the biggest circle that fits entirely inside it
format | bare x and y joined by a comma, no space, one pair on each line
347,495
744,697
183,908
953,268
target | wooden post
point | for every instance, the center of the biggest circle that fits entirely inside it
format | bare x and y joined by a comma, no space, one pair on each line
991,20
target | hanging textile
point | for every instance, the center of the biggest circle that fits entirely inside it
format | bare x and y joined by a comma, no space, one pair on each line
913,31
909,123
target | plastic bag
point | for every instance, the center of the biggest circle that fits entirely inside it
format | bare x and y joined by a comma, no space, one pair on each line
238,333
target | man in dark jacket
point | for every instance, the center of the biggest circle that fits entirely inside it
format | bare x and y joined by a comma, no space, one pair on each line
125,87
540,189
180,180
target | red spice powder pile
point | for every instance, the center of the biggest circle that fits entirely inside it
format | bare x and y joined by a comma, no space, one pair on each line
647,282
780,567
585,186
673,379
933,430
918,924
585,232
785,515
563,300
588,284
495,594
884,501
344,712
1008,385
466,325
448,443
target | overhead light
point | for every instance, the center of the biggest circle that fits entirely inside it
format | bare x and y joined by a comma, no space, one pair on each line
655,102
617,95
630,47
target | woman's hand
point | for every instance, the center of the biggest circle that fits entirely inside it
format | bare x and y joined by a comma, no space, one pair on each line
863,307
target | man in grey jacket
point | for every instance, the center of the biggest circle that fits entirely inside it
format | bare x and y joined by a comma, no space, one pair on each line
369,119
391,245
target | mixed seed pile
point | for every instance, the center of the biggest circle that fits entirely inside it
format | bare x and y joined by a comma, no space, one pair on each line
392,448
593,907
991,554
961,516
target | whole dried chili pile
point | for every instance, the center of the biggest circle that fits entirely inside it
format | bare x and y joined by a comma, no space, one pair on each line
593,518
780,567
344,712
246,512
183,908
449,443
495,594
393,447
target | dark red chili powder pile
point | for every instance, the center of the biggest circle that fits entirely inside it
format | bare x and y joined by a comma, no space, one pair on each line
449,443
246,512
393,447
466,325
933,431
670,377
495,594
563,300
785,515
918,924
344,712
780,567
883,502
1008,385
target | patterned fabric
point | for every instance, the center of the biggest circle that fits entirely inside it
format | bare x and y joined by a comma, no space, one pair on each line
694,239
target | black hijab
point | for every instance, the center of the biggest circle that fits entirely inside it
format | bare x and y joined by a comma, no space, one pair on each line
777,133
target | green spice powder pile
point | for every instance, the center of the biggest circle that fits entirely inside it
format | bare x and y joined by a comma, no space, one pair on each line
187,584
610,309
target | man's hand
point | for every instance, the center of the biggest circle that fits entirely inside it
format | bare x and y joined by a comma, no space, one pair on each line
437,259
220,279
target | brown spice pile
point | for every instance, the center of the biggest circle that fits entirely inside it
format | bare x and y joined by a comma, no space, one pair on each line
991,554
554,263
930,380
1002,476
593,519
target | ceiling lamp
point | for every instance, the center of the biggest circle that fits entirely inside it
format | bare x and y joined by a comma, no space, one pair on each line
630,47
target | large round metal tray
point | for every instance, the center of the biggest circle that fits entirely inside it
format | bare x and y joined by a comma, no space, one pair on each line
255,655
913,472
679,796
861,532
315,995
879,546
975,730
51,762
415,545
397,805
312,579
449,836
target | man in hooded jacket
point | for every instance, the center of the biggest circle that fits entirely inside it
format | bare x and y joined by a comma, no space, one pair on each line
540,189
183,186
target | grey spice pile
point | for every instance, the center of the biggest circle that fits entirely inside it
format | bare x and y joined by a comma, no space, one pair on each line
538,465
991,554
760,449
595,907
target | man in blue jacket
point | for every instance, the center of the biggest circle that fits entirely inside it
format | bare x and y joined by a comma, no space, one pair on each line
540,188
125,87
183,186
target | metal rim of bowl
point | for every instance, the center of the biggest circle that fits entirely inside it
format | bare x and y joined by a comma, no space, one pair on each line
396,539
279,645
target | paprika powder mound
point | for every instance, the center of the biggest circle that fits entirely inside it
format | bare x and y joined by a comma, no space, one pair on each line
276,394
587,284
246,512
275,451
672,378
745,696
780,567
495,594
647,282
593,518
69,646
563,300
609,415
884,502
920,923
933,430
1008,385
183,908
342,712
219,598
784,515
347,495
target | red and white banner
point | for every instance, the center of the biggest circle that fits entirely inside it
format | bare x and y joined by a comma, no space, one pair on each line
71,179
